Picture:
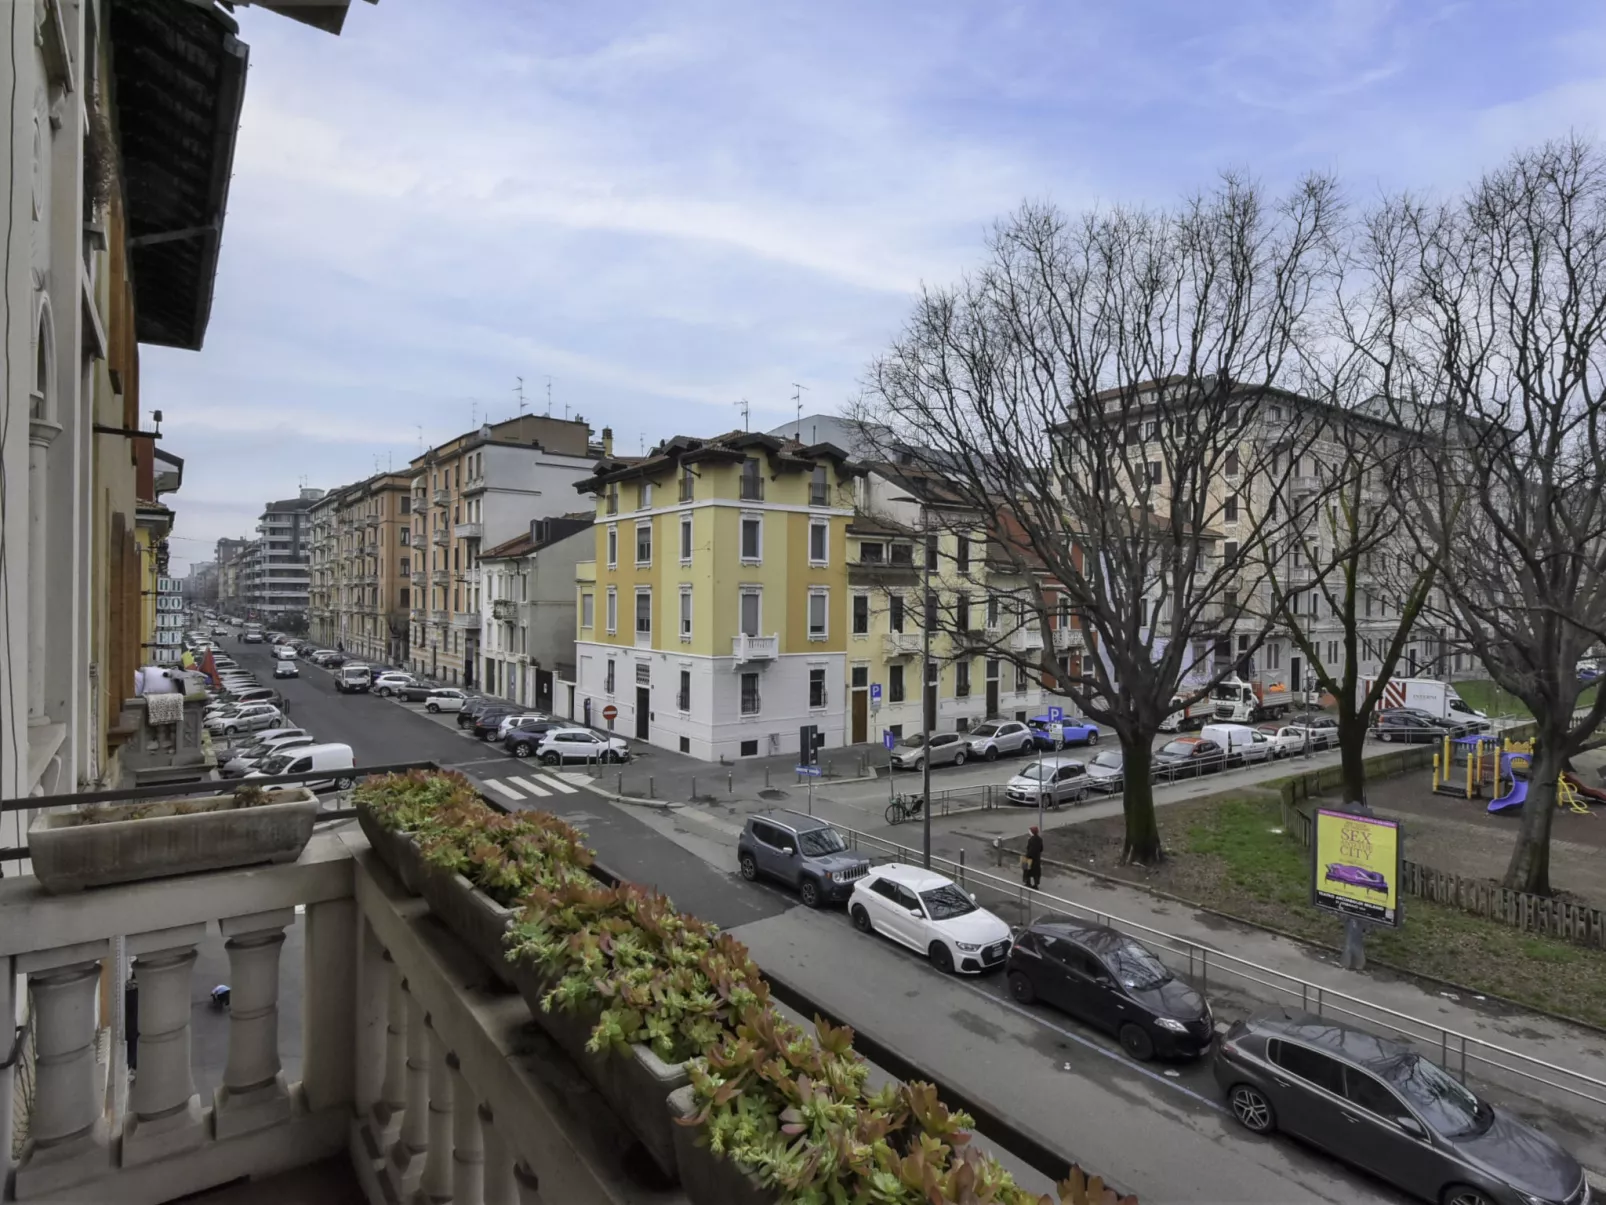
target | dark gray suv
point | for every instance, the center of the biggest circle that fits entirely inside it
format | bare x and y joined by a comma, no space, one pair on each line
1381,1106
803,852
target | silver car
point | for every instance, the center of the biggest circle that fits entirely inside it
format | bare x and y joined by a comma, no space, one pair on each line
946,749
996,738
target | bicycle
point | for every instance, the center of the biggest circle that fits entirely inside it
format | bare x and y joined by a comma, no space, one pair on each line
904,807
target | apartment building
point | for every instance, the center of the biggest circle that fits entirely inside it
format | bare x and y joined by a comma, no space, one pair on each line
475,491
527,609
360,568
160,475
713,618
280,581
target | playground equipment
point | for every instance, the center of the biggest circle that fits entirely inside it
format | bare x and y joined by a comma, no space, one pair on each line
1475,756
1518,794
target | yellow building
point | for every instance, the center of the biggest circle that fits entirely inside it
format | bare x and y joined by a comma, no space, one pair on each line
714,619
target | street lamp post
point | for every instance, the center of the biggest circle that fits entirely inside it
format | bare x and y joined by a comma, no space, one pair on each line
928,703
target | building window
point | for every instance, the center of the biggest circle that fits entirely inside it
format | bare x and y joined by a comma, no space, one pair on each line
685,540
613,610
1229,551
683,695
1232,462
861,677
406,504
861,614
1155,476
613,547
818,486
607,681
644,543
895,684
644,612
687,485
749,694
749,608
1274,656
871,552
895,613
1230,514
962,679
819,542
643,673
931,611
406,571
643,495
685,612
819,603
404,603
752,550
962,612
749,749
752,485
588,608
1020,677
962,554
404,537
612,504
931,552
903,554
816,688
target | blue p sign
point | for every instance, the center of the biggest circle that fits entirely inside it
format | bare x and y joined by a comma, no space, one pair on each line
875,692
888,739
1056,715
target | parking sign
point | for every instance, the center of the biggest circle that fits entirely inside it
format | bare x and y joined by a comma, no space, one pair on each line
1056,715
888,739
875,694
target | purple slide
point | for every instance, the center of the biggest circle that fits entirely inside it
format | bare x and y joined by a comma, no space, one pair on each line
1514,798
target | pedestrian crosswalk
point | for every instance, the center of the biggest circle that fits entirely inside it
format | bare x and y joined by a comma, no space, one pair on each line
536,785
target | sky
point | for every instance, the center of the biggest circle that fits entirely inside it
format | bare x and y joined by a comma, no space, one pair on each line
665,208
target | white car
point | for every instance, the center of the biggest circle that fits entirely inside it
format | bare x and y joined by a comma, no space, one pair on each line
580,744
393,683
931,915
247,719
997,737
445,699
309,759
1285,741
283,650
518,720
249,759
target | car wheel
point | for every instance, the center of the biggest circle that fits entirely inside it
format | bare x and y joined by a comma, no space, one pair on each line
1021,988
1093,737
992,753
610,756
1382,736
345,784
809,892
432,708
861,919
1465,1194
1252,1109
959,759
230,730
749,868
551,759
941,957
1135,1040
521,750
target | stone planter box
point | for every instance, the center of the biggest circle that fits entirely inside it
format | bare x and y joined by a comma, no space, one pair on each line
149,840
637,1086
474,917
707,1178
398,851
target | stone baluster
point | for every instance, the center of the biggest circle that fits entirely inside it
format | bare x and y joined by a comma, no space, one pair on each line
164,1109
253,1094
499,1186
329,1005
468,1146
67,1134
392,1102
406,1163
436,1185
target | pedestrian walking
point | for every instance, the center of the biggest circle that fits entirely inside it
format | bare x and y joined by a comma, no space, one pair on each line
1031,865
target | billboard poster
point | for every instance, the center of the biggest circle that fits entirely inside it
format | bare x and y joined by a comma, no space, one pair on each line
1356,866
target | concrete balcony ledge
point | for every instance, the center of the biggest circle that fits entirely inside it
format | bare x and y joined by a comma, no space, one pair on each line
468,531
468,620
755,648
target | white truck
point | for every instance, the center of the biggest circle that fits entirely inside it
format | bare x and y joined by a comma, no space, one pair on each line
1184,717
1239,702
1429,695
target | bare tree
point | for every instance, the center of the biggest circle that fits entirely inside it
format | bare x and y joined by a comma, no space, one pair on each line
1507,355
1098,387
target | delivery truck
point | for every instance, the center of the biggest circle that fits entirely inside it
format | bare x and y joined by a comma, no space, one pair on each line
1237,701
1429,695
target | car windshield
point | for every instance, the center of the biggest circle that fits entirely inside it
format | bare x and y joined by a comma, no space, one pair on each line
1136,968
277,763
1179,749
1109,759
820,841
1444,1103
946,902
913,742
984,730
1036,771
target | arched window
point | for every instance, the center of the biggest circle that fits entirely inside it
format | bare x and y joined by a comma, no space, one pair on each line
39,399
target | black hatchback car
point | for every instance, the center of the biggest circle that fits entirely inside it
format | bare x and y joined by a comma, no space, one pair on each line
1189,756
1381,1106
1113,983
470,710
1411,727
525,739
489,721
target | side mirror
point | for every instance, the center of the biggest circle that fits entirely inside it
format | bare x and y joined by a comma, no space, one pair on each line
972,897
1411,1126
917,914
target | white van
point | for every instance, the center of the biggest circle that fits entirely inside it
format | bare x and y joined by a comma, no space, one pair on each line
306,759
1244,745
353,677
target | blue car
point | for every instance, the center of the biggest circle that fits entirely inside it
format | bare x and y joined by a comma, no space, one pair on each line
1077,731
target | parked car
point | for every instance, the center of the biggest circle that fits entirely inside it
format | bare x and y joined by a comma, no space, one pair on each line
251,638
524,740
488,723
393,683
471,708
247,719
931,915
1378,1104
998,737
1285,741
283,652
353,678
285,668
1052,781
307,759
1242,744
1408,727
318,656
1071,731
801,851
1323,729
518,719
1189,756
441,698
946,749
561,745
1105,770
246,760
1107,980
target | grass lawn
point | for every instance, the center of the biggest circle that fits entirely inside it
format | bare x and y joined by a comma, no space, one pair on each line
1483,695
1244,866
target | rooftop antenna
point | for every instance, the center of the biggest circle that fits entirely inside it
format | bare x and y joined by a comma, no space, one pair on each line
420,427
747,410
474,413
519,389
549,401
797,397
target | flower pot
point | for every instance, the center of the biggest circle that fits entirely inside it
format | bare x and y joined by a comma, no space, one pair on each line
636,1086
708,1178
396,850
474,917
128,842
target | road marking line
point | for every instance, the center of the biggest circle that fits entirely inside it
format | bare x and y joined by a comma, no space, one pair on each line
508,791
528,785
562,786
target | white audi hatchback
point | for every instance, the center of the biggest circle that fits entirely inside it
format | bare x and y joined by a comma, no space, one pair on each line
931,915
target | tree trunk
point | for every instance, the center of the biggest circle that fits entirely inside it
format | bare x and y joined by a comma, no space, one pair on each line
1530,858
1352,754
1137,800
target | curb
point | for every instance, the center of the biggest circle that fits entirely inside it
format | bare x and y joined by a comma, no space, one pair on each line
1416,976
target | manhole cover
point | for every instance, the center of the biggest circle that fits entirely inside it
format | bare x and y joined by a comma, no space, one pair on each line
772,793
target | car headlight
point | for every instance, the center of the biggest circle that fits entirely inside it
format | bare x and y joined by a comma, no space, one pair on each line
1170,1023
967,947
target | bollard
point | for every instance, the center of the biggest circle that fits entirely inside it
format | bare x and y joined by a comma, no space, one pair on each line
694,790
766,778
730,783
620,789
650,785
961,867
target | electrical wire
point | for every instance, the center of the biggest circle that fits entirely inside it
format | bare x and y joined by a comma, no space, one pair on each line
5,418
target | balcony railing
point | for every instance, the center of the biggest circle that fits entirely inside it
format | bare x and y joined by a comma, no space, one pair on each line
1067,637
903,644
468,531
164,753
443,497
438,537
466,620
1026,638
504,609
438,616
755,648
474,484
